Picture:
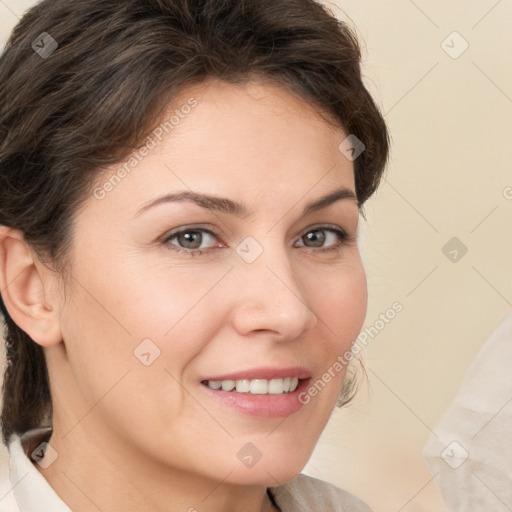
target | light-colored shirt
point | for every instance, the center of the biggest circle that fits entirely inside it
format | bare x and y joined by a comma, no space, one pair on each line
24,489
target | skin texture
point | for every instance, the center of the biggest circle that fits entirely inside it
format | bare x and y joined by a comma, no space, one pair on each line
132,437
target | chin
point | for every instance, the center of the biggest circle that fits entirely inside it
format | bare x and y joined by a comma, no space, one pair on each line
270,472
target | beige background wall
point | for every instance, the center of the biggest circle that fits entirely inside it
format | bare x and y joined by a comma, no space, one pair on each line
451,124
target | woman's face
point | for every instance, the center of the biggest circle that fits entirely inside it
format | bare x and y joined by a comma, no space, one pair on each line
150,325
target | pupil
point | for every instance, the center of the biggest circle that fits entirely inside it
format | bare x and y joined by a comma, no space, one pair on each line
193,239
188,238
313,236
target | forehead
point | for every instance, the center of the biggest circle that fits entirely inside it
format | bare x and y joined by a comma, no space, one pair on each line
253,141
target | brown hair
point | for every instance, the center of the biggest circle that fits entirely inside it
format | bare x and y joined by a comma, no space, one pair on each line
65,115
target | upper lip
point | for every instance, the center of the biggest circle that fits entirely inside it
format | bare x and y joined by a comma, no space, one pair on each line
265,373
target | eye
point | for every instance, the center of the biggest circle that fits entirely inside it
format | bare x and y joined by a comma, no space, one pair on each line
189,240
317,237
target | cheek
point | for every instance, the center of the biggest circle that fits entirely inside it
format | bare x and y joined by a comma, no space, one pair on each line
98,340
163,311
114,385
341,304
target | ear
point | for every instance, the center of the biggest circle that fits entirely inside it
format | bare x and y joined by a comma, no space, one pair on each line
26,287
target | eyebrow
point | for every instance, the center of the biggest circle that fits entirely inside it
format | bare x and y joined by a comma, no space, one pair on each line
225,205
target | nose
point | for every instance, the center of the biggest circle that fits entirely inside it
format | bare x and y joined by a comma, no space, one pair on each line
271,300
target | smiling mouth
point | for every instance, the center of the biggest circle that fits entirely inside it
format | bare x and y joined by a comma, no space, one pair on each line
255,386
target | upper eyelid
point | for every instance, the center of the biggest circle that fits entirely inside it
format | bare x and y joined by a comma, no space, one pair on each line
213,232
170,234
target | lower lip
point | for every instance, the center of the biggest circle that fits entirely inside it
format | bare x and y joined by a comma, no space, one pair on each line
265,406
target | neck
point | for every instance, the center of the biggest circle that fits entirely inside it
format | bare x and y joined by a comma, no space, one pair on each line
102,472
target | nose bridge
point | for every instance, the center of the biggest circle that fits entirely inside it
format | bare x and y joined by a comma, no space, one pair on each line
271,298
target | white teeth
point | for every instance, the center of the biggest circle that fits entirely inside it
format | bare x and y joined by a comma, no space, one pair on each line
242,386
276,386
228,385
257,386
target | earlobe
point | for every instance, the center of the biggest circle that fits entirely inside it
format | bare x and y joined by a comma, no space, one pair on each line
26,290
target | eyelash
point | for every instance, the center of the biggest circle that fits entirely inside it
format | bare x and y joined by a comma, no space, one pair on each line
342,235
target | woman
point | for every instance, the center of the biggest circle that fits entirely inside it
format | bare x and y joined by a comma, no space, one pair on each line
181,184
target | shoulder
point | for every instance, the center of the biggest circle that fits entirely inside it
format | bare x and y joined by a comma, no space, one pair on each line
23,487
308,494
7,501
